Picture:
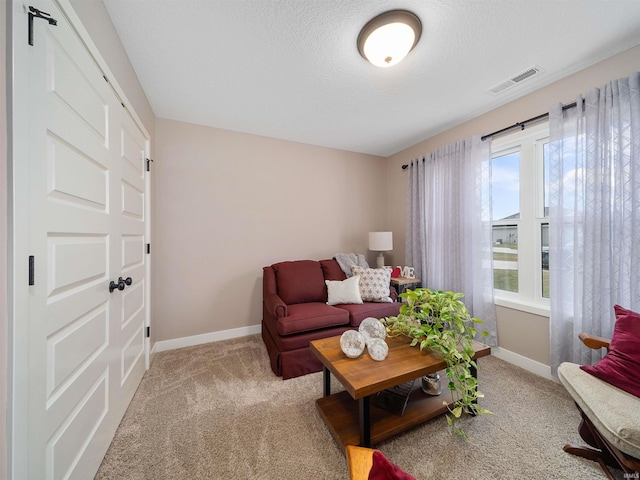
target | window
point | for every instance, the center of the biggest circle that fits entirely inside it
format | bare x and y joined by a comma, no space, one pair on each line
505,194
520,199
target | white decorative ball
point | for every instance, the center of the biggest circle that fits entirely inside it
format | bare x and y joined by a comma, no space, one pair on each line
352,343
378,349
371,328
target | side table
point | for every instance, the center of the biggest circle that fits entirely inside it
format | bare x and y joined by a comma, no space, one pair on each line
402,283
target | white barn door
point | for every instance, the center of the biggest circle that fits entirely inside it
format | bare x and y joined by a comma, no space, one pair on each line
86,228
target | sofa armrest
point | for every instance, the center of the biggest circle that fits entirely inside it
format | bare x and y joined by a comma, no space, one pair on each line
274,305
593,341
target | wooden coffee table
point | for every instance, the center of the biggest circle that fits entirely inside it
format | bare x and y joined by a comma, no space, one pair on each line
349,414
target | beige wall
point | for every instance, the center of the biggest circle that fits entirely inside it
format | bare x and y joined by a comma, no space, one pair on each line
523,333
230,203
511,324
4,346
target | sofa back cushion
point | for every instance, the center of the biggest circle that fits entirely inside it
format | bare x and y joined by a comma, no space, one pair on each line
332,271
300,281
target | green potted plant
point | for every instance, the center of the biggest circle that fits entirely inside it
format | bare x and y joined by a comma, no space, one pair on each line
440,321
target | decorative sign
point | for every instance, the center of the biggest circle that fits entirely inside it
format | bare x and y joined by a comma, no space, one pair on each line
407,272
396,272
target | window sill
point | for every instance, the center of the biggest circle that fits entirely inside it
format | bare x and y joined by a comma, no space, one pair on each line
535,308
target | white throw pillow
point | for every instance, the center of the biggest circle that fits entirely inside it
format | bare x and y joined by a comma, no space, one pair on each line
345,291
374,283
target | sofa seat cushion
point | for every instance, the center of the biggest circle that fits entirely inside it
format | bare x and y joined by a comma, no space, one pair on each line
300,281
301,340
614,412
305,317
357,313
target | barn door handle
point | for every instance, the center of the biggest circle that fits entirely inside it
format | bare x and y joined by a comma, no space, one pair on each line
113,285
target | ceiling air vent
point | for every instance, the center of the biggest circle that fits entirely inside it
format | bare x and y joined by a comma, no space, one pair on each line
520,77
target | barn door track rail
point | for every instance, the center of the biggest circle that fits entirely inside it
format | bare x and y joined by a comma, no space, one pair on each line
35,13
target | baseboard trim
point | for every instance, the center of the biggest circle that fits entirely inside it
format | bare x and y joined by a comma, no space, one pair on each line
523,362
164,345
498,352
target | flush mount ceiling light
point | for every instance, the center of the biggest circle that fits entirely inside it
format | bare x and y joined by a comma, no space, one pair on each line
386,39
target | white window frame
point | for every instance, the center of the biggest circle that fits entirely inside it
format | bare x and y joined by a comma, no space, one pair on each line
530,142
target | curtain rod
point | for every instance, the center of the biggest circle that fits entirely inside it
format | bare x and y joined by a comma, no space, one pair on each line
525,122
520,125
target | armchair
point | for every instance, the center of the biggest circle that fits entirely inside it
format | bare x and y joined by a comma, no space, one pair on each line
610,417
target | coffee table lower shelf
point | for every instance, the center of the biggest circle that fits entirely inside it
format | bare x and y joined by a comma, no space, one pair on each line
341,414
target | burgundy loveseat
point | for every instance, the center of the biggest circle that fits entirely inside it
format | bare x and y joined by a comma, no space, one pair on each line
295,312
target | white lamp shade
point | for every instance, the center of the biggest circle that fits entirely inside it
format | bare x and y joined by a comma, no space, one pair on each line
380,241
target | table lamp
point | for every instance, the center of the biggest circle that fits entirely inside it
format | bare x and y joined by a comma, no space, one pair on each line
380,242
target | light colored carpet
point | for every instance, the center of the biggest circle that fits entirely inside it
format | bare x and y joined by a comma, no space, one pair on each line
216,411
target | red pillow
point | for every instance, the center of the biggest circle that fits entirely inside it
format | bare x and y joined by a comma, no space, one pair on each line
383,469
621,365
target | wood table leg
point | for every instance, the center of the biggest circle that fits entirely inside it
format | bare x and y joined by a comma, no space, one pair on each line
326,377
364,405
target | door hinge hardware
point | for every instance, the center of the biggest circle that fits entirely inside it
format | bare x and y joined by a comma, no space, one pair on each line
148,248
148,164
35,13
105,78
32,270
148,332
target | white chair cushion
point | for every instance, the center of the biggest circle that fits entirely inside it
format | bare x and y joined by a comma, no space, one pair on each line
614,412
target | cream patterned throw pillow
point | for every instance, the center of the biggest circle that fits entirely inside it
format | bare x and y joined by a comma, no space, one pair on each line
374,283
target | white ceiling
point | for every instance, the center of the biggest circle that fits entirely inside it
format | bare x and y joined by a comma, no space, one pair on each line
290,69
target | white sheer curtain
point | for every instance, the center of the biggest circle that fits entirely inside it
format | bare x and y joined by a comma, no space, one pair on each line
594,216
449,225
